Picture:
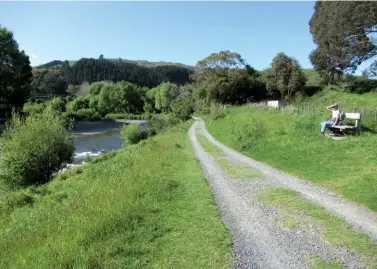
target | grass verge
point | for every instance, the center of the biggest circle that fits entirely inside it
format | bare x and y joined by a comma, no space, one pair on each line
292,143
316,263
334,230
208,146
145,206
238,171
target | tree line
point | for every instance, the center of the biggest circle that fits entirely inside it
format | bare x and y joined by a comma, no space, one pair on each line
343,32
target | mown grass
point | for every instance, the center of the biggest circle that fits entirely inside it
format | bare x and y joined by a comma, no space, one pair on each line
335,231
208,146
146,206
238,171
293,144
316,263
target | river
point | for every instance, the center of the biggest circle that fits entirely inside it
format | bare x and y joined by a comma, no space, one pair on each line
95,138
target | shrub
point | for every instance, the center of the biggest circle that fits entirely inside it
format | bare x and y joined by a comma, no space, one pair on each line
56,105
87,114
133,135
33,149
80,103
32,108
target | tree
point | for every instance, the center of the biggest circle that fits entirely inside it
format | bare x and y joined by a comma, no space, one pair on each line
325,65
343,31
227,78
15,72
49,82
94,70
164,94
285,77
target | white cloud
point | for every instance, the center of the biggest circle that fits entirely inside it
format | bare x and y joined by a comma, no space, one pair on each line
34,56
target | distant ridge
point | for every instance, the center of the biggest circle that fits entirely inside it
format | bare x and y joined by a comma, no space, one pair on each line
57,64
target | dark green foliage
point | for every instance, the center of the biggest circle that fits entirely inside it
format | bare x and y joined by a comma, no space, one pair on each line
15,73
285,77
49,82
362,86
341,30
227,78
33,149
93,70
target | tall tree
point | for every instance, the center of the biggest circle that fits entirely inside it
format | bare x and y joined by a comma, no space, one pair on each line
15,71
227,78
343,31
285,77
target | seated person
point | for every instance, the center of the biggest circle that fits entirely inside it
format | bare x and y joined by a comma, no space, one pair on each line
335,118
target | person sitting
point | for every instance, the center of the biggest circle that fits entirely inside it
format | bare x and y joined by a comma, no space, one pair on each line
335,118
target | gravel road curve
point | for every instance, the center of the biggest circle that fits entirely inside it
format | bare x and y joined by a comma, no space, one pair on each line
259,242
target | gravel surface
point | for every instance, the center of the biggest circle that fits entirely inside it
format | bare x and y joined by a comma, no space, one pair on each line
259,241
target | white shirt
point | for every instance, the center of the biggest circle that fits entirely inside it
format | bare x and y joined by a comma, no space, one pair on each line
335,114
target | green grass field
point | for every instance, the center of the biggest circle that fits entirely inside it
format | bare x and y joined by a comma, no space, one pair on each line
292,143
146,206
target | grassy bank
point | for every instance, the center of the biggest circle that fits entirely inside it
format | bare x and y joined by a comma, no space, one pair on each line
146,206
292,143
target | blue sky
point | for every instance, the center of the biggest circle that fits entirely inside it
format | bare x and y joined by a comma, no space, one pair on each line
160,31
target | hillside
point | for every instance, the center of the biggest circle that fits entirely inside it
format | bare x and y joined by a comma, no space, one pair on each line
57,64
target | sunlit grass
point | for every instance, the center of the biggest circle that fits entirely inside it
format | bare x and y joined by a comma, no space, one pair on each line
146,206
316,263
238,171
292,143
208,146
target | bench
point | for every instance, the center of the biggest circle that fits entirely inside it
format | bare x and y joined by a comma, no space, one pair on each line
344,128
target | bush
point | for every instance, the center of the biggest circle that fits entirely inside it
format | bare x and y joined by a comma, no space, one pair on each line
32,108
33,149
133,135
87,114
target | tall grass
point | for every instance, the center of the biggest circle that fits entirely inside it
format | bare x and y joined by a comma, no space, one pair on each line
146,206
292,143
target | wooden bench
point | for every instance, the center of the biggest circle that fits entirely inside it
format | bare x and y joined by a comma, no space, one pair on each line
349,128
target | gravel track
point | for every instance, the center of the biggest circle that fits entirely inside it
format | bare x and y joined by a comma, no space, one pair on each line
259,242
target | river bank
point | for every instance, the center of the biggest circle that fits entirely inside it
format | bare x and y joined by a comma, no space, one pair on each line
146,206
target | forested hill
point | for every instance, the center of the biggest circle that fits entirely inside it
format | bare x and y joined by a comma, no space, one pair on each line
92,70
57,64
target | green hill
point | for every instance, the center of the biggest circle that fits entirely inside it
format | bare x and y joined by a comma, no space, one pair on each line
57,64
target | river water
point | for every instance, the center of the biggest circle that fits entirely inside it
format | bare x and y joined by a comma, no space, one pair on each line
94,138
